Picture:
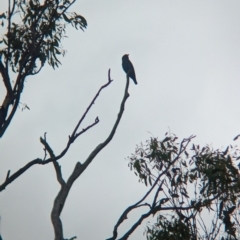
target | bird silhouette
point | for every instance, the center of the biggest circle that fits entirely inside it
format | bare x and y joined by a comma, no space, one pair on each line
128,67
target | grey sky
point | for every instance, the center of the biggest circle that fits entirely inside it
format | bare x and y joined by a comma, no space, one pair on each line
186,56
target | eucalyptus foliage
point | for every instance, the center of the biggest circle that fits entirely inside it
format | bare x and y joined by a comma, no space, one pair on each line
33,32
37,33
192,183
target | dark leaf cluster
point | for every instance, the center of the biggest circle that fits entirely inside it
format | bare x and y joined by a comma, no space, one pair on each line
165,229
29,43
190,181
33,35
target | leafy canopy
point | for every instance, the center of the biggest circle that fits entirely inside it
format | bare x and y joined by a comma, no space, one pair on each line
32,36
38,35
188,184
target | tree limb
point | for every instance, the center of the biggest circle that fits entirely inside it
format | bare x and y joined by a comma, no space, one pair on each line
52,157
79,169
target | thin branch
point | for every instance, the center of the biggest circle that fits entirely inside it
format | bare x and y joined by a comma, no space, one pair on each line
202,224
91,104
135,225
20,172
85,129
8,174
45,150
61,197
47,147
52,157
130,208
59,174
55,164
153,211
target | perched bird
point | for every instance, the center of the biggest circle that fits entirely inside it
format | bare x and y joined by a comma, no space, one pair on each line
128,67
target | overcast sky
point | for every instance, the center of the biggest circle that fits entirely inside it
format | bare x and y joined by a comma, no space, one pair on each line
186,56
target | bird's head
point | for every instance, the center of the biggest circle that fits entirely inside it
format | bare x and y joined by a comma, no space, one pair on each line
125,56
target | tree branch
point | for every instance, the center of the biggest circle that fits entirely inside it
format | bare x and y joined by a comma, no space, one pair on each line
91,104
153,208
52,157
79,169
129,209
26,64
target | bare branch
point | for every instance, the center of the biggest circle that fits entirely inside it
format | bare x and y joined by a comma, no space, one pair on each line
135,225
129,209
59,173
52,157
55,164
47,147
20,172
45,150
91,104
79,169
8,173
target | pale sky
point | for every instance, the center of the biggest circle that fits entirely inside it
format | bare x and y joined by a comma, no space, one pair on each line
186,56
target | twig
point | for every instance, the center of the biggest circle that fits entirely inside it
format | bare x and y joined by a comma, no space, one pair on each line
52,157
78,170
91,104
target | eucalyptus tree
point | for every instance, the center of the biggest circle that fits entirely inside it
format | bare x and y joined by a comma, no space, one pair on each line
33,34
192,191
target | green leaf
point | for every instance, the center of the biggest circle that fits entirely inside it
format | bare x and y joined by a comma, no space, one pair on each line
2,15
145,181
57,51
136,165
150,181
66,18
166,139
184,194
184,164
164,200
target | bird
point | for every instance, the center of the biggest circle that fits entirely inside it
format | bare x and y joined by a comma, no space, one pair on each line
128,67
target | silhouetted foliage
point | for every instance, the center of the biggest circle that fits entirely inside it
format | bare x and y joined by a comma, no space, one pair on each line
33,35
188,183
34,31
